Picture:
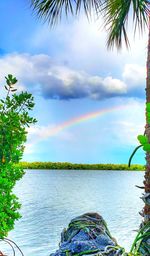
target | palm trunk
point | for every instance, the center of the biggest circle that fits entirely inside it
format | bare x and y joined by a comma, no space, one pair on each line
146,210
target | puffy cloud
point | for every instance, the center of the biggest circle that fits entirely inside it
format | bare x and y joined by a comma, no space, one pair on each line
82,43
134,74
64,83
130,122
54,81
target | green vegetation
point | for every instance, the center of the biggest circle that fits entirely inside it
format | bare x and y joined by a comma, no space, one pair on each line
143,139
71,166
14,119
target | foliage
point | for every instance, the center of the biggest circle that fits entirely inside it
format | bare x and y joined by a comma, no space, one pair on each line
140,245
53,10
14,118
72,166
143,139
115,14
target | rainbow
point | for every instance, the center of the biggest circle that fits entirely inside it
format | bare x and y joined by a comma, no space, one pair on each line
80,119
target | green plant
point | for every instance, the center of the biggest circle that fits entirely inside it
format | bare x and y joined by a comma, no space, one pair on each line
14,118
143,139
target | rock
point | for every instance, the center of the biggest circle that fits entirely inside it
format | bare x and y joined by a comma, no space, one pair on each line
88,234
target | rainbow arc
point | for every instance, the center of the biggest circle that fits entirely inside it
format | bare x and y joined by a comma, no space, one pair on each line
80,119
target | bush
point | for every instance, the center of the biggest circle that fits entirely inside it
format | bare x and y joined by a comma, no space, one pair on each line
14,119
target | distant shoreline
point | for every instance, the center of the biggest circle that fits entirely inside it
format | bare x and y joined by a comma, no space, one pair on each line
75,166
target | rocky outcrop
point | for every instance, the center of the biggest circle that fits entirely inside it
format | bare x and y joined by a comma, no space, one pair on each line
88,234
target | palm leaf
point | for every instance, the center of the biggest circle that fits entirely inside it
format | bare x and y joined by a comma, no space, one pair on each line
115,13
52,11
116,19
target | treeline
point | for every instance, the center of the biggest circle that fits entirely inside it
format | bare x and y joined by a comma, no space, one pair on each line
72,166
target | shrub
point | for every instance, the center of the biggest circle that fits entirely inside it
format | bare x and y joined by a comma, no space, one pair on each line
14,118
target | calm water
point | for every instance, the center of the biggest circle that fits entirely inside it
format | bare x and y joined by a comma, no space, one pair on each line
51,198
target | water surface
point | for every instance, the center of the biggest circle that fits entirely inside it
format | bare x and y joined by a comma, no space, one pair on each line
51,198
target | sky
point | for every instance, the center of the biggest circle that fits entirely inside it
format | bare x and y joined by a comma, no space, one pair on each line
89,102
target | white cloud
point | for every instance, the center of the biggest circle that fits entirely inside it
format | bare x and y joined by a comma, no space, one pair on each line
42,75
116,85
82,44
134,74
129,123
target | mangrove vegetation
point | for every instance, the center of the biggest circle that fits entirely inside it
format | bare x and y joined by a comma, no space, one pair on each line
76,166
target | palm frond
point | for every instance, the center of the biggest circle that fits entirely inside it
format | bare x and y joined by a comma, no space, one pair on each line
141,13
88,6
116,19
51,11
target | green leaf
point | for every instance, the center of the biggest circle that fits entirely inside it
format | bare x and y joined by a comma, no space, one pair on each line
14,80
142,139
10,77
146,147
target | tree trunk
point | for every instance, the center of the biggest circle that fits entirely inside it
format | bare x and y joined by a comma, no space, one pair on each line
146,210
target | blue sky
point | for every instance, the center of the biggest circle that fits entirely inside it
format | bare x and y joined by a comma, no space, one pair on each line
71,73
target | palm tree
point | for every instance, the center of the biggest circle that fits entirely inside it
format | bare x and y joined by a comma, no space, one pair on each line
115,14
